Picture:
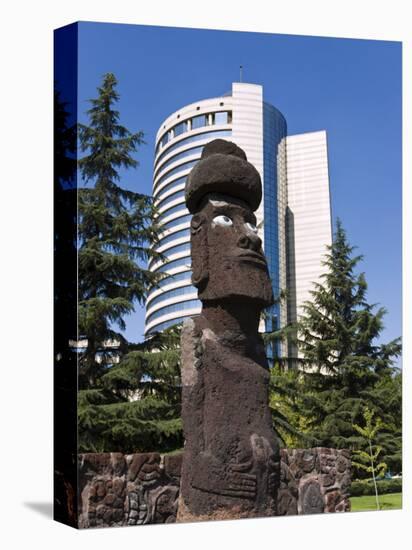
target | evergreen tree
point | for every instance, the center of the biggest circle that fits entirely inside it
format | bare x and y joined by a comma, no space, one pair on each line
289,421
114,231
284,402
147,383
116,234
343,368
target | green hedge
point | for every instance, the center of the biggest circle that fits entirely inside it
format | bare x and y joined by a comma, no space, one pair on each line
385,486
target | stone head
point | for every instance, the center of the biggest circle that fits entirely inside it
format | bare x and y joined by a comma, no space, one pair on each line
222,192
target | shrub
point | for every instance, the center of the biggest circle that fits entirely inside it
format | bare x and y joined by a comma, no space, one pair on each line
360,488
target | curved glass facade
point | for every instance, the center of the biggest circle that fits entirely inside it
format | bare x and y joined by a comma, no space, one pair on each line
185,261
178,182
179,156
167,324
168,294
177,208
168,153
195,122
171,279
177,221
274,211
184,166
174,236
184,247
193,139
172,308
177,195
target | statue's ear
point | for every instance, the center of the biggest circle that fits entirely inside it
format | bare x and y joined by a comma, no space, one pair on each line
198,240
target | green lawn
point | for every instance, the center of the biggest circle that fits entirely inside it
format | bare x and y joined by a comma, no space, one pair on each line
392,501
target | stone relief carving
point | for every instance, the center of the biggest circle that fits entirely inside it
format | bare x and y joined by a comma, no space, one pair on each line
121,489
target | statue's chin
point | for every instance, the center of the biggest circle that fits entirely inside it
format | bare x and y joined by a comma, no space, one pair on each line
238,282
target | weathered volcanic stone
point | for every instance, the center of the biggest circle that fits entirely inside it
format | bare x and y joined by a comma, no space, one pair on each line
231,458
154,500
310,499
223,168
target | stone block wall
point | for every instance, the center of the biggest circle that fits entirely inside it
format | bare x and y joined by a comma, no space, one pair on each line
314,481
143,488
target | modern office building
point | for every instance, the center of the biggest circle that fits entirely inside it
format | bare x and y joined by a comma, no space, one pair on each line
293,218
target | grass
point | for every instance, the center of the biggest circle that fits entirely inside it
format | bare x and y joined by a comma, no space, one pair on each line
391,501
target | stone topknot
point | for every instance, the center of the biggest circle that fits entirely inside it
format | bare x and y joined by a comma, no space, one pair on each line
223,168
223,147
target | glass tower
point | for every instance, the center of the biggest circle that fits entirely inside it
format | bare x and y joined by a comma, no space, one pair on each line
260,130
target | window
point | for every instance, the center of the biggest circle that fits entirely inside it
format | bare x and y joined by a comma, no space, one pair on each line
183,276
176,221
167,324
174,236
181,291
180,129
184,166
199,121
175,196
164,139
187,304
179,156
181,207
191,139
175,183
222,118
173,264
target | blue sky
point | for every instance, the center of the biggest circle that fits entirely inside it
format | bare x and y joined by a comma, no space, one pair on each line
350,88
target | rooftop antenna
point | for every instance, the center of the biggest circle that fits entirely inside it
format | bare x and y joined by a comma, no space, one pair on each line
241,72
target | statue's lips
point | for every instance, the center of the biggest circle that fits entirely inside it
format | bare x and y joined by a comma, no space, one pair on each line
250,256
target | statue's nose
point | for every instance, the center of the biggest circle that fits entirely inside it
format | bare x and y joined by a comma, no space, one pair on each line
251,241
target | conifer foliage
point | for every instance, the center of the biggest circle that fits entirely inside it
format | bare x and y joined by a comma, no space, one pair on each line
116,234
344,368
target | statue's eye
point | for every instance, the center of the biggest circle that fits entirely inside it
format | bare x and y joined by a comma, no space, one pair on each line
225,221
252,227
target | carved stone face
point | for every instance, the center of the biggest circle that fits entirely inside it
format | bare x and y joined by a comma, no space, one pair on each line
227,258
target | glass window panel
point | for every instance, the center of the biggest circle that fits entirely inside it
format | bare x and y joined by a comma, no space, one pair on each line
167,324
177,208
175,263
187,304
169,186
181,291
193,139
183,276
174,236
199,121
221,118
184,166
177,221
180,128
179,156
175,196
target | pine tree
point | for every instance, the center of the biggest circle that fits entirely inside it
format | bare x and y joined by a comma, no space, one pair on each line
116,234
284,402
344,369
146,385
114,231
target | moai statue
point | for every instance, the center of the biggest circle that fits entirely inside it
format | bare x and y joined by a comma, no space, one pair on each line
231,456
